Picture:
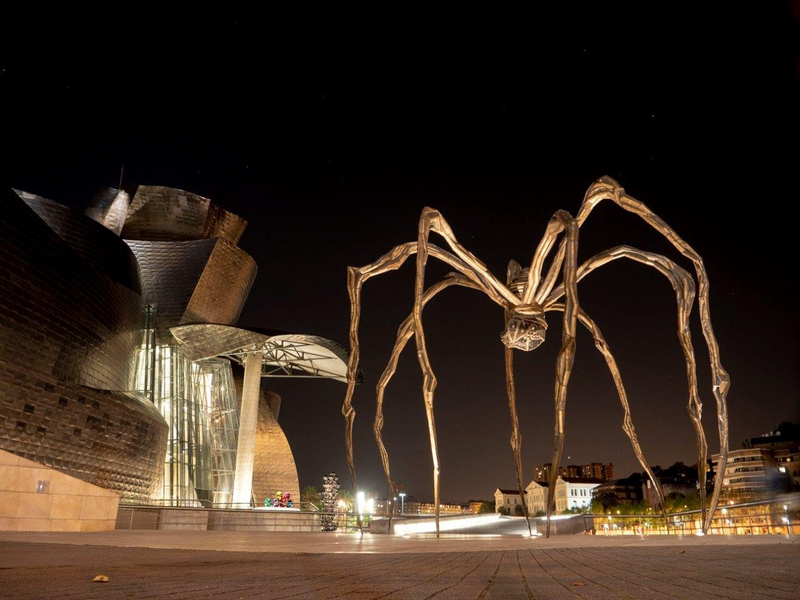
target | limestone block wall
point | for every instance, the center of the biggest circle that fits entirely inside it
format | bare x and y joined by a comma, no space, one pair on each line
36,498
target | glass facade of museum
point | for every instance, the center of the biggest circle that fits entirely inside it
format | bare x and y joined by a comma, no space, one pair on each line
198,401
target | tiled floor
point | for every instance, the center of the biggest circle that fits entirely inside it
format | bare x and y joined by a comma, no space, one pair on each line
284,566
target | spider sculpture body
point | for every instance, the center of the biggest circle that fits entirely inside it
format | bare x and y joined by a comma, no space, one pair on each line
526,297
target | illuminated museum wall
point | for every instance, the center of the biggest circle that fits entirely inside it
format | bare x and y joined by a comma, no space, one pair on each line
69,327
92,381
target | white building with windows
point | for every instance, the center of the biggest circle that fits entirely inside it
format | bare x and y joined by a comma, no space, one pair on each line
536,496
571,492
508,500
579,491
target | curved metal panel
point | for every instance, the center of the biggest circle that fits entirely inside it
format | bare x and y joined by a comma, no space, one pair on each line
95,244
274,469
109,207
162,213
223,287
170,274
67,337
224,224
59,312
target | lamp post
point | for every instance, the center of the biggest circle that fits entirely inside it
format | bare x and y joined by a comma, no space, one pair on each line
402,502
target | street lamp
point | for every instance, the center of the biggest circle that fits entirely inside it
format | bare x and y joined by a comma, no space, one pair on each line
402,502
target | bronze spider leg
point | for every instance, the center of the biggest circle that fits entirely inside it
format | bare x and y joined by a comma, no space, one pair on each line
566,356
683,284
607,188
627,423
356,277
404,333
513,271
432,220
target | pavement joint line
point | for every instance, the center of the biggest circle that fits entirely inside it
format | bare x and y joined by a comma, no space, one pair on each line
584,576
650,573
494,576
703,579
543,568
427,580
460,581
610,574
528,592
562,554
391,568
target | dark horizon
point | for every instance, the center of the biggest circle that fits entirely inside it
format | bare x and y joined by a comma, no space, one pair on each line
330,145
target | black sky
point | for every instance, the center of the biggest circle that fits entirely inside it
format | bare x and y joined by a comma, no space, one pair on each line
330,132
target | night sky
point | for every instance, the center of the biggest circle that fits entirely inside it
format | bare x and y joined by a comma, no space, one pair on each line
330,132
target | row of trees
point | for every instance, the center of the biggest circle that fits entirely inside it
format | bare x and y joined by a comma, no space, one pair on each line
608,503
313,496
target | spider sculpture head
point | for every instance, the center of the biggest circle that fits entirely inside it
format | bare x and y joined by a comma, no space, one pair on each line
524,331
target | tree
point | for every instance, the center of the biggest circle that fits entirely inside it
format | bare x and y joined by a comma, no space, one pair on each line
604,502
311,495
486,507
676,502
345,496
519,511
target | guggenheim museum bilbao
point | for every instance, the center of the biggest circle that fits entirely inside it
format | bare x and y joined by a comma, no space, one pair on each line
120,360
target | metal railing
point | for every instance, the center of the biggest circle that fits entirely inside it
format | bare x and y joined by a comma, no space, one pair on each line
776,516
177,503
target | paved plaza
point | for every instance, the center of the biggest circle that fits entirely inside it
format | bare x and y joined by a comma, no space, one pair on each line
254,565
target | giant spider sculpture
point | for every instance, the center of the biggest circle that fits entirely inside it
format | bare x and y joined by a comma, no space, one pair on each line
526,298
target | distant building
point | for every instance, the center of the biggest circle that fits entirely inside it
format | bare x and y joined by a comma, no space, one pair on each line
415,507
536,496
750,471
474,506
627,491
571,492
506,499
784,445
669,485
579,491
767,464
593,470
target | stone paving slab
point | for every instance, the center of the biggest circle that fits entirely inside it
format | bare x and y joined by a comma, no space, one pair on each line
677,570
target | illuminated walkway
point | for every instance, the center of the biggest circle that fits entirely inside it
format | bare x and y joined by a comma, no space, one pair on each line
286,565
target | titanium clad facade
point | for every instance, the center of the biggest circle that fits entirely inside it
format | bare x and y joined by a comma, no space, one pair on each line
274,469
170,272
223,288
94,243
197,281
109,207
168,214
116,340
69,326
